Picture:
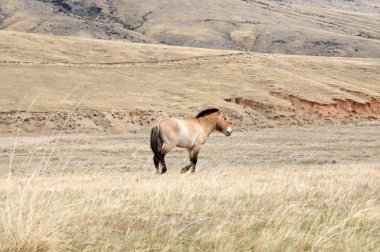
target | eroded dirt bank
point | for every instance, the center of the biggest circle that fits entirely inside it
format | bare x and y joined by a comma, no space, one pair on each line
304,112
249,115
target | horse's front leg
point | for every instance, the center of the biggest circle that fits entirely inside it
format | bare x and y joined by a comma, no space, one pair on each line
187,167
193,154
194,159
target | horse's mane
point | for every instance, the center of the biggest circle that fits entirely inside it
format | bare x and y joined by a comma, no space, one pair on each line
206,112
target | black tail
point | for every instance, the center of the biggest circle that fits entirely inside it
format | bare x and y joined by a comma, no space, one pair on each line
156,143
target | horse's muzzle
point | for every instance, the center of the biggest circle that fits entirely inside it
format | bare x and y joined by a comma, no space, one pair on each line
229,131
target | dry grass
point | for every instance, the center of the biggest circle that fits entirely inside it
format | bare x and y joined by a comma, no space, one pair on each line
286,147
320,208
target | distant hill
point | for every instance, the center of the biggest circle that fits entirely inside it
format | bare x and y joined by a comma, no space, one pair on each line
89,85
348,28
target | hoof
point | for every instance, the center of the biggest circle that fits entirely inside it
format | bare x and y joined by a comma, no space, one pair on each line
184,170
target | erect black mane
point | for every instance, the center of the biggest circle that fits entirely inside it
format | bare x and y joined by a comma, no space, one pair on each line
206,112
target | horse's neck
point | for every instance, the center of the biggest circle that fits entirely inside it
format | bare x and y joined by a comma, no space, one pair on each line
208,123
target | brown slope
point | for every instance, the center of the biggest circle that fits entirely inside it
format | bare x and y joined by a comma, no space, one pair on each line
66,18
84,85
329,28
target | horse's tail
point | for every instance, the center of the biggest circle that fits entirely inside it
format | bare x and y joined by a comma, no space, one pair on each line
156,142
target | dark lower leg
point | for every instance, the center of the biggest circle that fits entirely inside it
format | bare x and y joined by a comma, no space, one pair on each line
186,168
194,161
156,162
165,150
164,169
193,168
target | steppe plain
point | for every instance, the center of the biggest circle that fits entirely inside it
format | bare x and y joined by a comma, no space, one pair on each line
300,172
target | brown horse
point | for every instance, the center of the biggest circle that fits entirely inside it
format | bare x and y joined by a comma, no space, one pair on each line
190,134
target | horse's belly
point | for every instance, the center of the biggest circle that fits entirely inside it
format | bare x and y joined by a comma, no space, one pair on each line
185,143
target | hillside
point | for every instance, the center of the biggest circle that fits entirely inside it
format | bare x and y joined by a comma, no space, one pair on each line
318,27
85,85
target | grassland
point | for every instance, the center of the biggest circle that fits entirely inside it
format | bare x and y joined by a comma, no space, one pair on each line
324,208
286,146
281,189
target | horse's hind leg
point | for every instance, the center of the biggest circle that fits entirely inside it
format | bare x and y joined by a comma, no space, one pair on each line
166,148
156,162
164,169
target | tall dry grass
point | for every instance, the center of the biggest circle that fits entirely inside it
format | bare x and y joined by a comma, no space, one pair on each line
321,208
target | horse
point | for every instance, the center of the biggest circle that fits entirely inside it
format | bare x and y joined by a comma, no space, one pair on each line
190,134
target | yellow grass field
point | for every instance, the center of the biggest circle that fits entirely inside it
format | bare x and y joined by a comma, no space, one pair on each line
279,209
282,189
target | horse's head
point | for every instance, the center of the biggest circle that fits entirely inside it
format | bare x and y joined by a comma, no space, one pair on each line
223,124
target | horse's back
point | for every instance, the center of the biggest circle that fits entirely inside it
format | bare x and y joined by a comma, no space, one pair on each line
169,125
